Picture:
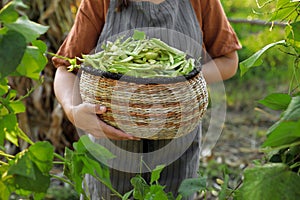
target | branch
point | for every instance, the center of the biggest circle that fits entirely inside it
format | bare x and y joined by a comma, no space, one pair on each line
256,22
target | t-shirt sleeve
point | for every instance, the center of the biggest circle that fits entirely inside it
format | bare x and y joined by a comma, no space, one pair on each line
219,38
84,33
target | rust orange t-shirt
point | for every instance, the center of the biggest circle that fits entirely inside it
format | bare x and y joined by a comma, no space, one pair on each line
218,36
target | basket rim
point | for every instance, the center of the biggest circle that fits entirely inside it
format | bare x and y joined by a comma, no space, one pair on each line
139,80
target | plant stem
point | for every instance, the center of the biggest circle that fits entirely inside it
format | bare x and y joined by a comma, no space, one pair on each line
62,179
6,155
280,147
60,157
58,163
111,188
3,163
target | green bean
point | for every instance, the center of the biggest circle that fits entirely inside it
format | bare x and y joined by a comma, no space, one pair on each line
166,47
140,58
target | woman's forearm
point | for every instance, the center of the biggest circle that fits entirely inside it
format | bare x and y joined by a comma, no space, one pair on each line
83,115
221,68
66,88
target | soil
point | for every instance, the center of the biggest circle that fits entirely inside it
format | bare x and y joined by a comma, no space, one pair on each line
236,149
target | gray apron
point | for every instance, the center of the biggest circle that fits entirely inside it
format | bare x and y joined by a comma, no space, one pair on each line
174,22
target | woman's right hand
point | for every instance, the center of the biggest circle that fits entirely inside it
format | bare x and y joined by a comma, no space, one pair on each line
84,116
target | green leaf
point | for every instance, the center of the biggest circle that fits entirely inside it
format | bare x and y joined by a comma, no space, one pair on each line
3,86
99,152
34,58
127,195
96,169
155,174
224,188
12,49
292,113
9,12
156,192
11,95
39,196
254,60
293,33
2,138
9,126
141,188
190,186
179,197
17,107
81,162
76,174
42,154
276,101
271,181
286,10
40,45
39,184
4,191
285,132
139,35
29,29
22,166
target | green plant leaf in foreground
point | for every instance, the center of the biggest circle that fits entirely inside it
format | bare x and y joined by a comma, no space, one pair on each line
292,113
254,60
286,10
139,35
42,154
88,158
12,49
141,188
276,101
286,130
155,174
29,29
4,191
285,133
190,186
34,58
271,181
156,192
10,12
28,172
292,35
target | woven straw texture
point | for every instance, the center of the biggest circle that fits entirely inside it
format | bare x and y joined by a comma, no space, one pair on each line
152,111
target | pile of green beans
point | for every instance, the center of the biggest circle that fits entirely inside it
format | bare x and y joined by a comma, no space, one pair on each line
140,57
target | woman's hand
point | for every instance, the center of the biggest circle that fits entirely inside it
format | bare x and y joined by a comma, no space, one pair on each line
83,115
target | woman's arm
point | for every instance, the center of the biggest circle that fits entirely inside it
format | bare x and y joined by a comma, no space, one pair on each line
221,68
82,115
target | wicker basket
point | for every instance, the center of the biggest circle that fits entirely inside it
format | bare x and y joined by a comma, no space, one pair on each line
152,108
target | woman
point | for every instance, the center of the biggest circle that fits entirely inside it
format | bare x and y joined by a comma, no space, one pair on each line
202,20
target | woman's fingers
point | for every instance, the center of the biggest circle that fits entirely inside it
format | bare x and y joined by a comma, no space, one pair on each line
93,108
113,133
85,118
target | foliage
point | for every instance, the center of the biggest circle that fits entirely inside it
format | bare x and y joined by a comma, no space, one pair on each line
16,34
283,138
285,184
